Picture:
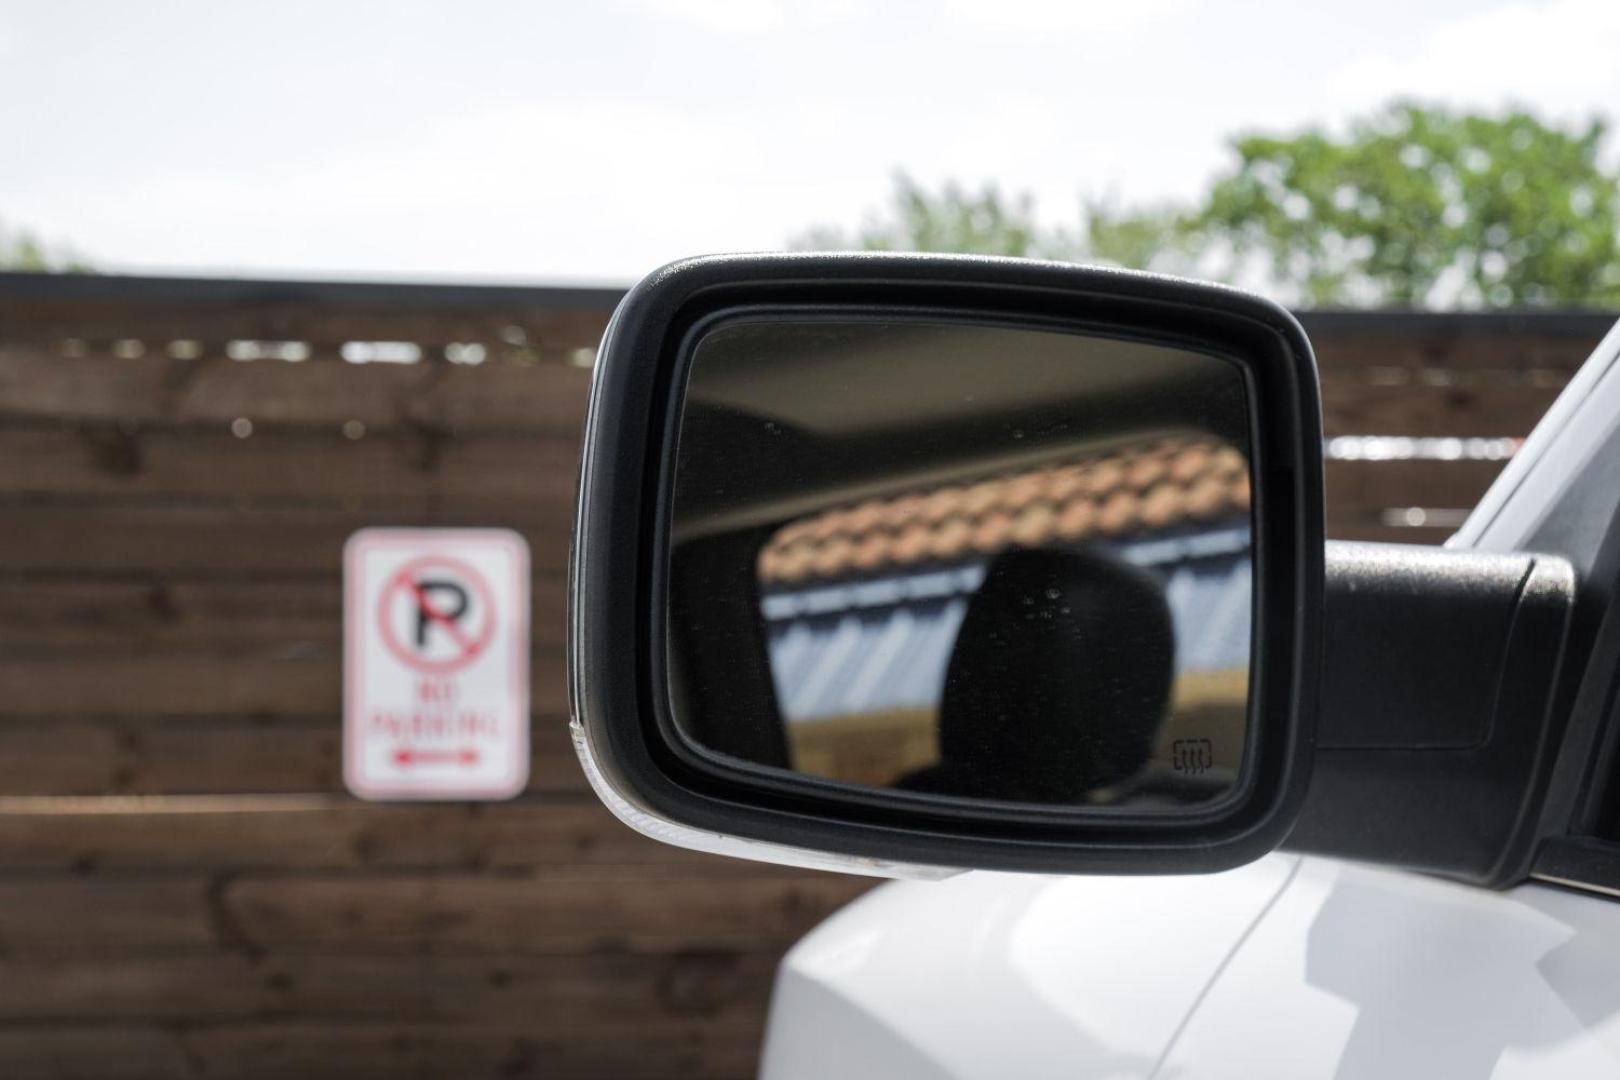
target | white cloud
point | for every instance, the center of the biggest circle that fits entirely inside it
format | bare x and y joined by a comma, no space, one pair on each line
549,188
1039,16
1561,55
729,16
558,188
748,16
1046,16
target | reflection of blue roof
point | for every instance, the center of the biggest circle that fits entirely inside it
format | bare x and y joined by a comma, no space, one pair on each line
883,644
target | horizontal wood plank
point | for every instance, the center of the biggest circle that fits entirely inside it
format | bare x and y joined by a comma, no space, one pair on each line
204,684
80,917
138,833
1369,487
300,465
549,399
146,538
1353,354
566,911
587,995
360,1049
134,755
552,911
387,1051
36,384
1484,409
1376,530
274,315
166,613
577,909
106,1052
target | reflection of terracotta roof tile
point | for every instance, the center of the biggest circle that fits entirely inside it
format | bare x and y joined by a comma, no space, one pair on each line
784,564
1105,477
994,532
1078,520
1160,507
1117,513
793,532
900,512
828,527
941,505
1227,462
1020,491
981,497
1146,471
864,518
1189,463
1034,525
1158,485
951,539
832,557
911,545
1206,497
1067,482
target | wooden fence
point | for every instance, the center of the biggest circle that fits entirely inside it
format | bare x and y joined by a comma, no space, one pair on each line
185,890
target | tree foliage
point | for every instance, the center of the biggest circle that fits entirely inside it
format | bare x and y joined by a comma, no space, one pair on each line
22,250
1409,206
1420,206
982,222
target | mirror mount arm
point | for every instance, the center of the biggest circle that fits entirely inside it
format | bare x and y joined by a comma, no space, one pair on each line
1440,720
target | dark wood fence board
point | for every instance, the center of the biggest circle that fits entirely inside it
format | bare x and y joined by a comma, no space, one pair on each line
129,754
579,909
154,537
1487,410
361,1049
167,613
1370,488
118,833
434,318
426,1050
203,684
1529,349
1375,530
555,994
554,911
103,1051
36,384
65,458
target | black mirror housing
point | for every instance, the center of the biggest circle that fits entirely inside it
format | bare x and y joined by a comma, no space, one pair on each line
651,775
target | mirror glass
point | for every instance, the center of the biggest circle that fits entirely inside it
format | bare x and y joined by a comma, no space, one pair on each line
963,560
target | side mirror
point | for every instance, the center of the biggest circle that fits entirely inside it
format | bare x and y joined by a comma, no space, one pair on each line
903,564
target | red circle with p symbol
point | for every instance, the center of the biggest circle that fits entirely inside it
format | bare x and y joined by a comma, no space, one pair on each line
436,614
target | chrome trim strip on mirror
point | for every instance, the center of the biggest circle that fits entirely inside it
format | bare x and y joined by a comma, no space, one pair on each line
669,832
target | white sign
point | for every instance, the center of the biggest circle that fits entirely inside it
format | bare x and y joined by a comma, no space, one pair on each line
436,664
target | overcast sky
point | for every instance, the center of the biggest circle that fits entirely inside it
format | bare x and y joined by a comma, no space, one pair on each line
590,141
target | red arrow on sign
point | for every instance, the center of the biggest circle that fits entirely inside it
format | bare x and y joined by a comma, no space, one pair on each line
407,756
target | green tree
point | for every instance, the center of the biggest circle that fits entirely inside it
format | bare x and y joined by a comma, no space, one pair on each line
22,250
982,222
1410,206
1423,206
1153,238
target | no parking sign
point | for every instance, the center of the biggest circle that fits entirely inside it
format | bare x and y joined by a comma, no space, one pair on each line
436,664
